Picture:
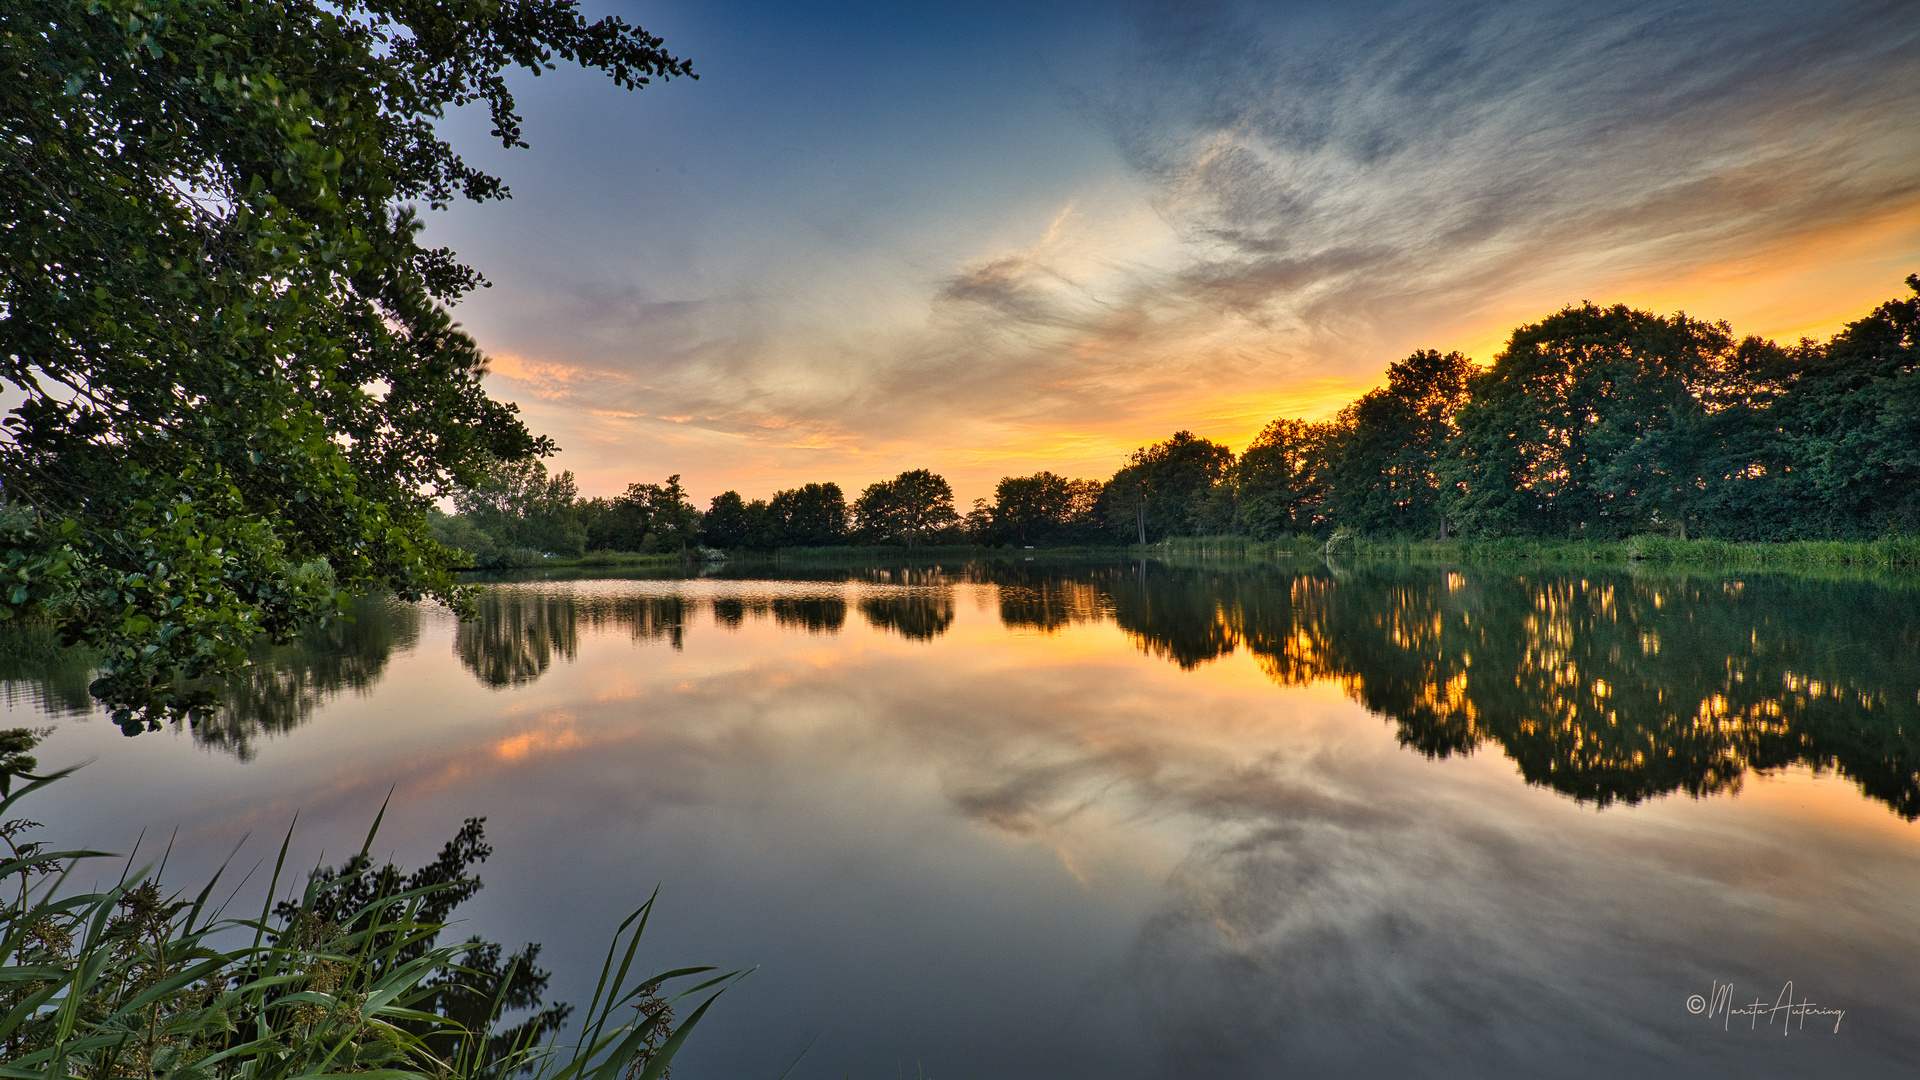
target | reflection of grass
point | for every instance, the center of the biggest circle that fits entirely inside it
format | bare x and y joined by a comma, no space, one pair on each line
132,981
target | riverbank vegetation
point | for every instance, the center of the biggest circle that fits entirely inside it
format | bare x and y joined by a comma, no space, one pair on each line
1886,553
235,386
1629,435
133,980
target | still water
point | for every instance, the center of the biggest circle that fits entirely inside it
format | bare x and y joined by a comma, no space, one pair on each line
1127,820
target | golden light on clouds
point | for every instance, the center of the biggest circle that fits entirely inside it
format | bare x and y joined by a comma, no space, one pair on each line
1234,218
1804,285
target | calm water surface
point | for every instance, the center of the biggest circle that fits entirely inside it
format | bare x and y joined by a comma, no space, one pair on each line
1126,821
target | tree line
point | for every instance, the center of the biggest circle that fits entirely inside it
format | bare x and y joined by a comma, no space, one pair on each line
1593,423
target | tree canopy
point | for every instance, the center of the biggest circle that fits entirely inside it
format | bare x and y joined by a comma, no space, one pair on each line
242,389
1593,423
907,509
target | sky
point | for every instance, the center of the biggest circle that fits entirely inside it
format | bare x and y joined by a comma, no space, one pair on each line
992,238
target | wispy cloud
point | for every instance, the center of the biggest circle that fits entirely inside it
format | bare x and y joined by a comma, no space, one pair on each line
1302,195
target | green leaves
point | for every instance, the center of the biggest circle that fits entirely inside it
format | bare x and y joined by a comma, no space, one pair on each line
133,981
205,255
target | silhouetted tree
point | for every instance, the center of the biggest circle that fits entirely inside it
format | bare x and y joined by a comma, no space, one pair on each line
1381,477
907,509
1044,508
1580,425
1163,489
814,515
726,523
1282,479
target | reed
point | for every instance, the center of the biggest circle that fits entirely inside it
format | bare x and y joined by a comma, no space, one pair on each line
1885,553
135,981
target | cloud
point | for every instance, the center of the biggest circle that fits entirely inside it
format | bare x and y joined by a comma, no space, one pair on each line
1302,195
1413,158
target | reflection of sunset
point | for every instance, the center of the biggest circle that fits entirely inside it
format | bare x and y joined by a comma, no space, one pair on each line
555,733
1260,775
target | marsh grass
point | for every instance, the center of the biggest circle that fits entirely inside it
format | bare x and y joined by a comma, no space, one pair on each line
350,979
1887,554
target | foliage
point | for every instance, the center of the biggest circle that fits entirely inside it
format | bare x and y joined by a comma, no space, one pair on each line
908,509
729,525
669,521
1163,489
812,515
1583,422
1382,478
242,388
1044,508
1281,480
350,978
516,506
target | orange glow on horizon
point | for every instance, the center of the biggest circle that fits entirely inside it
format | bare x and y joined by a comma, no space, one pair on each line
1807,285
1811,283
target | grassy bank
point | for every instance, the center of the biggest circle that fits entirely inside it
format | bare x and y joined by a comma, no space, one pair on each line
613,558
1894,553
1887,553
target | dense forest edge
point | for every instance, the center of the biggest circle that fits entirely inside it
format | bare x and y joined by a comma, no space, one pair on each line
1631,435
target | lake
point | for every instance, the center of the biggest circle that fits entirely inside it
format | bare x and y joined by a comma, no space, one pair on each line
1034,819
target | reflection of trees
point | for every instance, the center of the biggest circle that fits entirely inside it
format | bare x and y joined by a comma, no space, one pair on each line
517,633
34,666
278,691
1602,687
918,615
814,614
520,631
283,686
1048,601
644,618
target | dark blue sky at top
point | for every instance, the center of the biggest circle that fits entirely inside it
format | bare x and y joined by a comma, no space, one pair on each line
990,238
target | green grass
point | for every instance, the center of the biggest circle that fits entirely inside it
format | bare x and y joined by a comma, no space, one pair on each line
614,558
1886,553
135,981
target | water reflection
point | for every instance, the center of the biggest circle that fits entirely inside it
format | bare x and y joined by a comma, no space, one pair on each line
917,616
285,684
813,614
1605,687
278,691
521,630
35,668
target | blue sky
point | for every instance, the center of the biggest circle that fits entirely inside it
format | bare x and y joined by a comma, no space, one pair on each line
993,238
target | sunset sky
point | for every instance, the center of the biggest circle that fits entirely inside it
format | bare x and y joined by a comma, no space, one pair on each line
992,238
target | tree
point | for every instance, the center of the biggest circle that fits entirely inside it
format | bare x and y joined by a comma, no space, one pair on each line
1282,479
1164,488
1044,508
727,524
242,386
1850,417
1029,507
1381,477
814,515
672,522
906,509
519,506
1577,424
